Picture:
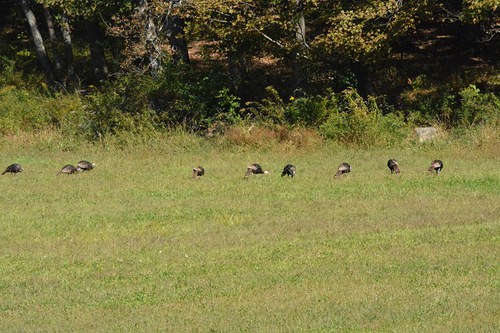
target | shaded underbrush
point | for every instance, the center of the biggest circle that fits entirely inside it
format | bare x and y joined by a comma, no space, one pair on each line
138,108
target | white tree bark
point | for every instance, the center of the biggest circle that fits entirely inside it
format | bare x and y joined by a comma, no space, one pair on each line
38,41
151,41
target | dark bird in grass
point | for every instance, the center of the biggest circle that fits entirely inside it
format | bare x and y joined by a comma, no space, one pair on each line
85,165
69,169
393,165
198,172
255,169
342,169
289,170
436,165
13,168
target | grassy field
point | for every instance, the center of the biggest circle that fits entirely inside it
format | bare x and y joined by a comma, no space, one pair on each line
137,245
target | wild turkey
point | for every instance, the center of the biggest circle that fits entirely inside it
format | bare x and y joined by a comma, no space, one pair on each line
13,168
255,169
289,170
69,169
393,166
436,165
198,172
343,168
85,165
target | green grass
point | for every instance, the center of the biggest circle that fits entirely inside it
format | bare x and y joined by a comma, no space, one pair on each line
137,245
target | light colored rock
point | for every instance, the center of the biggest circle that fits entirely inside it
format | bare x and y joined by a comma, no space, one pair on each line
426,133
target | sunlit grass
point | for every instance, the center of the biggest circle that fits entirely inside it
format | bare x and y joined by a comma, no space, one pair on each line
137,245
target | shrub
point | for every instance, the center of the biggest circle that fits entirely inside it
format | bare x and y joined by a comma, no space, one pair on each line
191,98
120,106
301,111
477,108
23,110
180,96
354,120
427,103
310,111
229,108
270,110
344,117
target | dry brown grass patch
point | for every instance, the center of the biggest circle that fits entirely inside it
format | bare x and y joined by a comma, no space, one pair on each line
264,136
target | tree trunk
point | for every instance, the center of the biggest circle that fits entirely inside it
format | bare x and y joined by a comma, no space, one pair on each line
175,34
38,41
365,86
53,41
300,25
68,48
300,36
153,50
94,36
237,66
152,46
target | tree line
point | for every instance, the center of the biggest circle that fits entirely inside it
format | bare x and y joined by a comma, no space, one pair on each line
213,47
143,34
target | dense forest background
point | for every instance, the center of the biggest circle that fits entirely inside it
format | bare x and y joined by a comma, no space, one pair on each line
353,71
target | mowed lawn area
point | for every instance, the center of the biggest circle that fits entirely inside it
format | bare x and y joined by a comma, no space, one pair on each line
137,245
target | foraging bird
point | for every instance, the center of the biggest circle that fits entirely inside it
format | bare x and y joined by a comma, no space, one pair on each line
13,168
289,170
343,168
436,165
255,169
393,166
69,169
85,165
198,172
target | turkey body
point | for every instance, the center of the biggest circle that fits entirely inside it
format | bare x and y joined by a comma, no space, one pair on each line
69,169
198,172
85,165
343,169
436,165
289,170
255,169
13,168
393,165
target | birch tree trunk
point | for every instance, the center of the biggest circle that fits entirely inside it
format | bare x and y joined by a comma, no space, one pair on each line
38,41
